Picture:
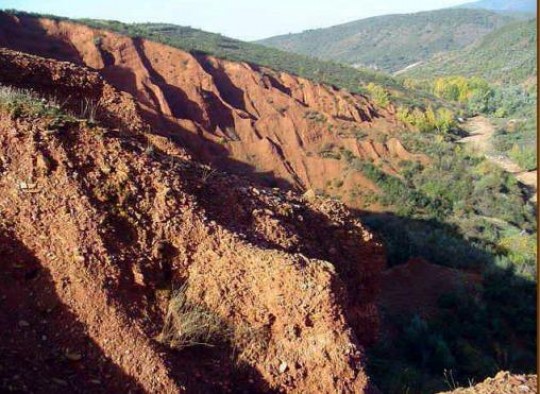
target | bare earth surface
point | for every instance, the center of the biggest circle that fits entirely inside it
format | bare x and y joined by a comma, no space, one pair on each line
503,383
415,287
480,140
99,223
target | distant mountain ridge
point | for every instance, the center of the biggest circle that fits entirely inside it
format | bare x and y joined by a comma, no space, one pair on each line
503,5
393,42
507,55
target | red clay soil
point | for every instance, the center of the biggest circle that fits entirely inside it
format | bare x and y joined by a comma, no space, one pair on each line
100,222
415,287
502,383
241,118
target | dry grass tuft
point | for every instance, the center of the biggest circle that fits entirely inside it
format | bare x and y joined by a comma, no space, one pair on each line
188,324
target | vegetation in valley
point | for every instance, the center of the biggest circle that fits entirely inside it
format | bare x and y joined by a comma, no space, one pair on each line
471,337
393,42
495,77
464,212
473,198
512,108
443,119
517,139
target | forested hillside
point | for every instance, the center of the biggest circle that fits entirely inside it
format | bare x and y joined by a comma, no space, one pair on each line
507,56
393,42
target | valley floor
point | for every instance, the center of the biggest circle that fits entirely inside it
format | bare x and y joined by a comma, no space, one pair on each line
481,132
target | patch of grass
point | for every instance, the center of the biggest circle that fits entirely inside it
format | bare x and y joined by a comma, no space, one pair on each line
89,110
26,103
188,324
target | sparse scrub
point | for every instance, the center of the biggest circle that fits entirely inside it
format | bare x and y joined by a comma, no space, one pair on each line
282,110
21,102
517,139
315,116
347,155
524,156
328,151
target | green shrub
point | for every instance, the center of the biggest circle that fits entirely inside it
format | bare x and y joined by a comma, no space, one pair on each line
379,95
442,120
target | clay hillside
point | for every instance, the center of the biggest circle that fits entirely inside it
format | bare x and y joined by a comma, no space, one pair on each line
238,117
171,222
104,213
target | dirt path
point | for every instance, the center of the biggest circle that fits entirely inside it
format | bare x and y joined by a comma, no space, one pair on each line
480,136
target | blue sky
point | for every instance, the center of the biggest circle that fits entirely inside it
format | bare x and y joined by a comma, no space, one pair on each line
243,19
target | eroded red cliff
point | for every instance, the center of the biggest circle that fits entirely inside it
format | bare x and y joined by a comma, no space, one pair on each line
100,221
242,118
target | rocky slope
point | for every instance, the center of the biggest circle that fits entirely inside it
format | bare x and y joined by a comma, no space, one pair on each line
281,129
502,383
101,220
